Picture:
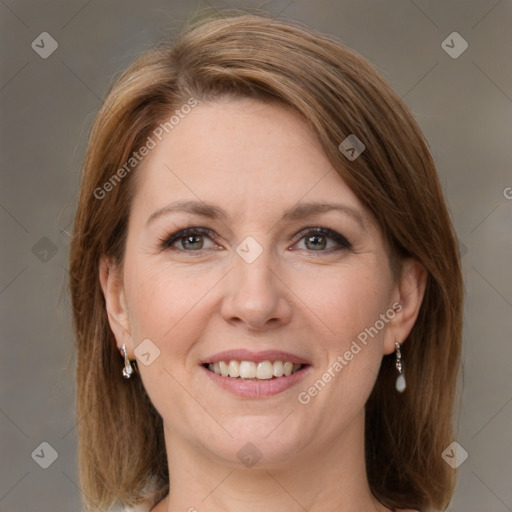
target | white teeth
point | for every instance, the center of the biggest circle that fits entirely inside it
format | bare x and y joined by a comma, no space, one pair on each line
224,371
263,370
278,369
234,369
247,369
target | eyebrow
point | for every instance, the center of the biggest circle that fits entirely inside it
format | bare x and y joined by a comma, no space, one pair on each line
298,212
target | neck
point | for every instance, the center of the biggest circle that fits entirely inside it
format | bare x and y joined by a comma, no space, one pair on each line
316,479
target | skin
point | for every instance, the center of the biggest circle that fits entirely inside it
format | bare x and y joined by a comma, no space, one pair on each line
256,161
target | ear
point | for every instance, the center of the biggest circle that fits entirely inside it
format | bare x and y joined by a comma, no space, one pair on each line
112,285
408,294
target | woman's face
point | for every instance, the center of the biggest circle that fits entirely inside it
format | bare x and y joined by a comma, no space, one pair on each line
253,281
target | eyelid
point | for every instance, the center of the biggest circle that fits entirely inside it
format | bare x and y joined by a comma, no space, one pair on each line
167,241
328,233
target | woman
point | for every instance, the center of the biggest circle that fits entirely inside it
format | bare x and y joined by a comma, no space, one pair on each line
265,280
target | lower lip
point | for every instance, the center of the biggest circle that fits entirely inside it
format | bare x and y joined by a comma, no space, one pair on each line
256,388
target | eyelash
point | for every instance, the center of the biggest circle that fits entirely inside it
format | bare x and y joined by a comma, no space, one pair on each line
167,242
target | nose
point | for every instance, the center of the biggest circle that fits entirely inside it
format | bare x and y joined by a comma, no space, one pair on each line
256,294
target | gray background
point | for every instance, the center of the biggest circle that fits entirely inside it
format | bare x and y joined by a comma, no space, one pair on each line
464,106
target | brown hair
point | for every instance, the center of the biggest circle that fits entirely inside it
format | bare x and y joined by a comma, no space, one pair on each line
338,93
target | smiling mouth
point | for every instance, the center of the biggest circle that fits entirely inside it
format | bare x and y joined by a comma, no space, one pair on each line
250,370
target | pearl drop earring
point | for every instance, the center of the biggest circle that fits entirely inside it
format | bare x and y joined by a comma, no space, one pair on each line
400,381
128,370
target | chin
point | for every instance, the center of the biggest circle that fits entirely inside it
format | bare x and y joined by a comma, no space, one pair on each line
259,442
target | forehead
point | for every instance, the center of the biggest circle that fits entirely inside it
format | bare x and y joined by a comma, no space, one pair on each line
245,155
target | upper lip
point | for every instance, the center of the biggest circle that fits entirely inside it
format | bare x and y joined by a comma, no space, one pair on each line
247,355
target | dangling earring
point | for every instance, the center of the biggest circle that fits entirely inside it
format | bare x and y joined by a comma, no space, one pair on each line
400,381
128,368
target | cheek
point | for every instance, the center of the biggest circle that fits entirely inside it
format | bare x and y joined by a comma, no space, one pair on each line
347,301
166,304
350,304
